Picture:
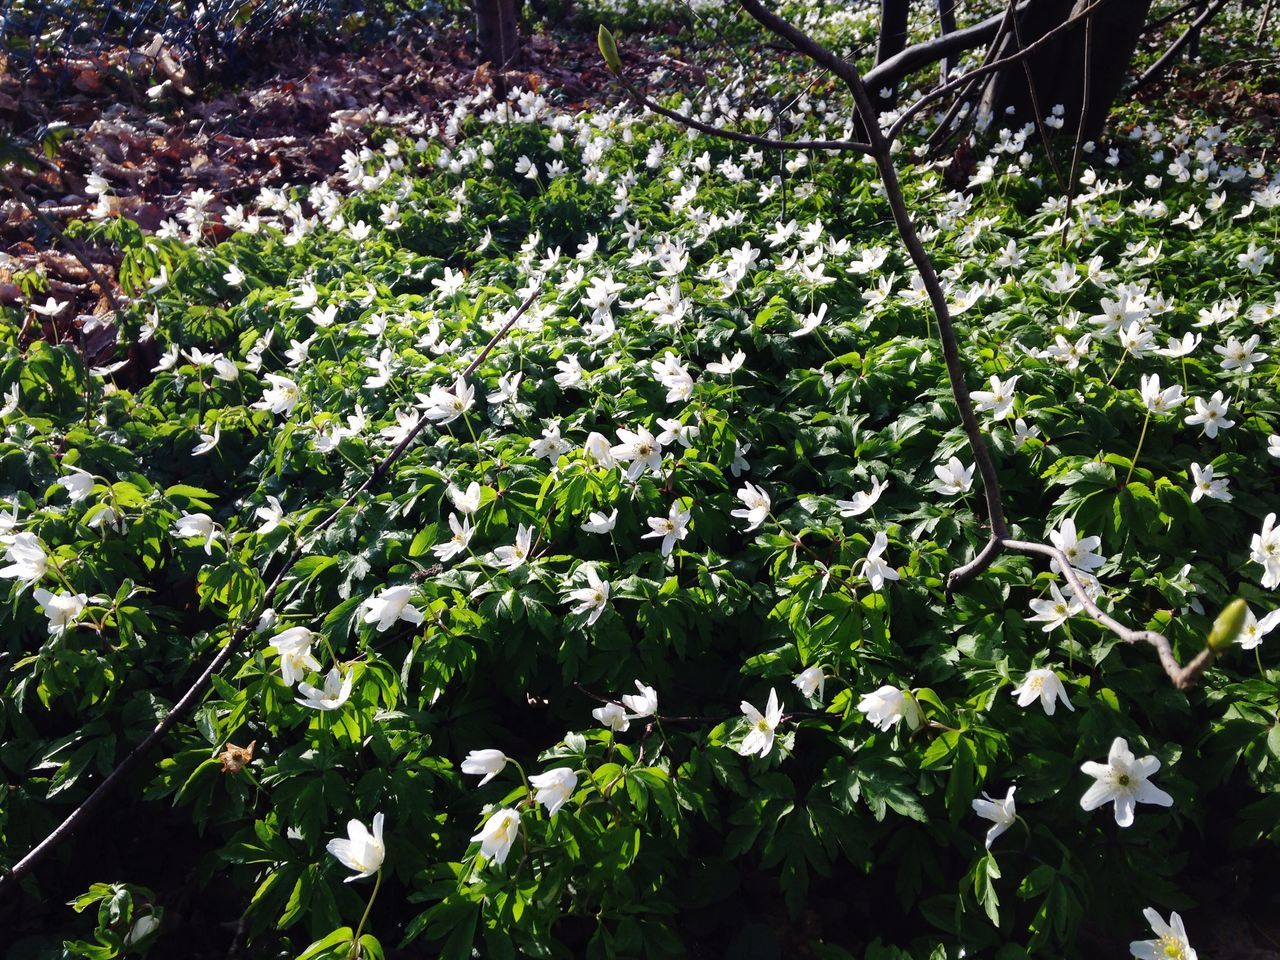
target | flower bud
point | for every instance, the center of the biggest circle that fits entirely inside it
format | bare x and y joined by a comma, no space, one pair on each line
609,49
1228,625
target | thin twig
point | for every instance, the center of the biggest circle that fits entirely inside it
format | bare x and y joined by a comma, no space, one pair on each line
1036,110
1262,24
1170,55
1085,97
1182,676
86,807
769,142
942,134
74,246
896,130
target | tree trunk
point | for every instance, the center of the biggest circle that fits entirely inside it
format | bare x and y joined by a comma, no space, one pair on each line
1058,69
892,40
498,33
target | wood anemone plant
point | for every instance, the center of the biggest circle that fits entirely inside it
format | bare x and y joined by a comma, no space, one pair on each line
878,145
195,693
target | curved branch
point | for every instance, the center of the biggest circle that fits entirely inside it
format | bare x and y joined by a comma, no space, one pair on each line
1169,56
712,130
86,807
896,130
920,55
1183,677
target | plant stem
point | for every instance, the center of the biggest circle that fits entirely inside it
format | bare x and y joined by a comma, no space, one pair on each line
1141,437
355,937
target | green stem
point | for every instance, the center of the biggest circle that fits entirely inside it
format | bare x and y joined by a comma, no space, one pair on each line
355,937
1141,437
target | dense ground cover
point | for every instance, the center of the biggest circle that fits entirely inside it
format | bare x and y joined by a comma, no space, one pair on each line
674,548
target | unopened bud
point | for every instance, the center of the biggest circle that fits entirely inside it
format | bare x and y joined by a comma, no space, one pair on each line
1228,625
609,49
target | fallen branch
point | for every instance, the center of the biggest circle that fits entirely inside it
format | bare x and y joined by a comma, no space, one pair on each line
74,246
195,692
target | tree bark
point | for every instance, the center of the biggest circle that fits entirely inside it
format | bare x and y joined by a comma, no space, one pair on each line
498,32
892,41
1058,72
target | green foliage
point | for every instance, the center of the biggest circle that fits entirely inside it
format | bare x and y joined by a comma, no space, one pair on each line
797,358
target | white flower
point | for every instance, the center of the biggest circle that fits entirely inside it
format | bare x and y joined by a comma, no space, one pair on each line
613,717
889,705
1157,400
337,689
551,446
1022,432
280,397
11,400
457,542
756,503
27,559
363,851
999,399
207,441
643,704
1125,780
862,500
1263,549
485,764
1056,611
1171,941
466,501
594,597
508,388
1211,415
598,449
445,405
77,483
1254,630
62,609
294,647
390,605
498,834
599,522
759,738
515,555
1079,550
1045,686
875,569
196,525
809,681
640,449
1001,813
1240,356
271,514
1205,484
554,788
954,477
727,366
671,528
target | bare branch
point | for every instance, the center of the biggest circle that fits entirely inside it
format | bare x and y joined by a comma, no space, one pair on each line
920,55
951,86
1183,677
712,130
1169,56
74,246
193,694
